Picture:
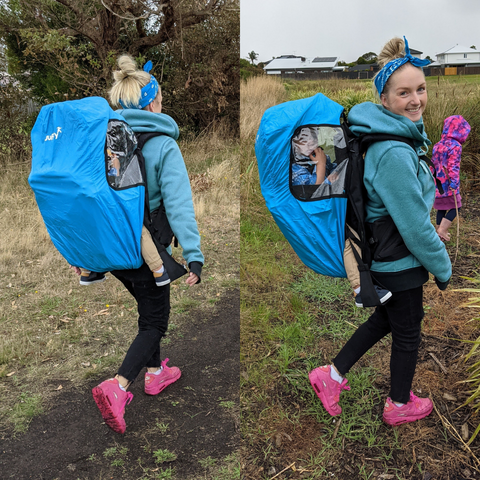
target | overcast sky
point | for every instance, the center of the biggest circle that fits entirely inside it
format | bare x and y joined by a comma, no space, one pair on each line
350,28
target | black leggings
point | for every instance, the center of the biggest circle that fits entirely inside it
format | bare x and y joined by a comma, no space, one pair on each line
448,214
153,313
402,317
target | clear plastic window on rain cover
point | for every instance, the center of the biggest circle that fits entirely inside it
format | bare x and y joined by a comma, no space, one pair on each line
318,162
123,169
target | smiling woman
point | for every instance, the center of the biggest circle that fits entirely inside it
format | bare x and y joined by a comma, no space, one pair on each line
401,192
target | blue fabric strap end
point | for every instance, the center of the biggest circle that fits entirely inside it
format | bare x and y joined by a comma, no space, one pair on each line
385,73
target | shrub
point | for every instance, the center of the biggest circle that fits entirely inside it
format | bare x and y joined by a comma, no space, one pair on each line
17,116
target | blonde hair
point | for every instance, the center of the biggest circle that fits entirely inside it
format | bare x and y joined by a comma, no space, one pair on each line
128,82
394,48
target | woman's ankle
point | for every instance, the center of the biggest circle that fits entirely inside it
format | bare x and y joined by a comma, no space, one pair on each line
124,383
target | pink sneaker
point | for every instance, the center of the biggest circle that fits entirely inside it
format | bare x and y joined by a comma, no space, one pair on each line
111,401
327,389
154,384
415,409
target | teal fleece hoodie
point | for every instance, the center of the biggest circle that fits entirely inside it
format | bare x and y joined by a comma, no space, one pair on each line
167,178
400,185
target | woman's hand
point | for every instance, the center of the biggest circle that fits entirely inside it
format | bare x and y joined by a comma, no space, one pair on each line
75,269
192,279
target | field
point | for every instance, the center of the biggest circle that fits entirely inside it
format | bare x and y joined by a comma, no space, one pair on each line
293,320
59,339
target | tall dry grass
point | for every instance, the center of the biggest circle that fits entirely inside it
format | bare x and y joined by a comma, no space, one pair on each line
446,99
256,95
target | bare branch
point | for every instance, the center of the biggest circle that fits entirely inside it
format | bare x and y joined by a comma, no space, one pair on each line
172,22
130,17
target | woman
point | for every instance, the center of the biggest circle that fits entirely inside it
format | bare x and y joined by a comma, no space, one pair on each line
399,186
139,94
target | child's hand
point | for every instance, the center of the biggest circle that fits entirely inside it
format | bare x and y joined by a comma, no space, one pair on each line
333,177
192,279
318,155
75,269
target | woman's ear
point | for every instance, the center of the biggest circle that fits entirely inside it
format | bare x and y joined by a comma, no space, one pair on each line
383,99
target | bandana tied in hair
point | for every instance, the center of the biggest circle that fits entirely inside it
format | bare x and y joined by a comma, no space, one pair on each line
385,73
149,91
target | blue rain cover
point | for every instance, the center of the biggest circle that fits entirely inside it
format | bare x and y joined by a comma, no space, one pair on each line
92,225
315,229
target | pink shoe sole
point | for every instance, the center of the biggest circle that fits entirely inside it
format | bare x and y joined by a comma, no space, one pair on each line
156,388
116,423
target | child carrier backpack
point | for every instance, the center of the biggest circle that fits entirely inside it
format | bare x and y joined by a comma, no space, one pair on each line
88,176
317,219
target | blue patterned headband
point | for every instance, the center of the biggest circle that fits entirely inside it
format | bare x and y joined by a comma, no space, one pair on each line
149,91
385,73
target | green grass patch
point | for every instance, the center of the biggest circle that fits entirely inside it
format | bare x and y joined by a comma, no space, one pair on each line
28,406
185,304
165,474
227,468
207,462
162,427
163,456
226,403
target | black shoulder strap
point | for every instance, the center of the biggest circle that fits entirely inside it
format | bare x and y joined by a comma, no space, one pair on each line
370,138
175,270
143,138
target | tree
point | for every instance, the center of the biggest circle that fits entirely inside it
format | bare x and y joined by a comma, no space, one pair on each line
428,58
369,57
69,48
79,40
252,56
473,46
200,76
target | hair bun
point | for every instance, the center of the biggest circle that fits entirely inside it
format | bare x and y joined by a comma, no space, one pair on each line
394,48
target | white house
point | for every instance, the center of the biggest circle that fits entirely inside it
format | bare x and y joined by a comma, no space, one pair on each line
458,56
294,64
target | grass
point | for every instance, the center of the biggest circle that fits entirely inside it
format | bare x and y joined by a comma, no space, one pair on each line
227,468
293,320
163,456
162,427
165,474
28,406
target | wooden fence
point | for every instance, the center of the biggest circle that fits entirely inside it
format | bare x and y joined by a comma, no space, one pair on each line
365,75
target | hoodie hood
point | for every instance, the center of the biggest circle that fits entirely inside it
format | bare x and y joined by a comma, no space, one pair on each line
146,122
456,128
369,117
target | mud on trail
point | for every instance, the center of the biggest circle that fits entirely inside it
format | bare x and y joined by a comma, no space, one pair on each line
196,418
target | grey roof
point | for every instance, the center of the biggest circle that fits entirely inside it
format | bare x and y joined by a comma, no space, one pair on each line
301,63
324,59
459,49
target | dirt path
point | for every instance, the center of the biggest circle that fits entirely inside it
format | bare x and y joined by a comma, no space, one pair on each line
196,418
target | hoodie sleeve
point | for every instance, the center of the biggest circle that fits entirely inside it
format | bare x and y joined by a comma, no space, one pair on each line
453,165
398,185
172,177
